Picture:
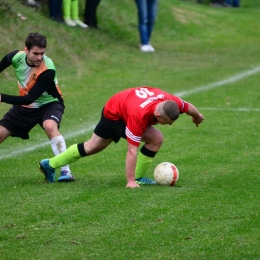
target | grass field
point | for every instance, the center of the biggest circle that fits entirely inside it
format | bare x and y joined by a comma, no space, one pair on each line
208,56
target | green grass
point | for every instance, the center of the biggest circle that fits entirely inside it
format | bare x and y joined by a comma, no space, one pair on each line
213,210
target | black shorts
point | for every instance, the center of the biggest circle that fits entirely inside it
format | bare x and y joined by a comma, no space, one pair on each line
20,120
110,129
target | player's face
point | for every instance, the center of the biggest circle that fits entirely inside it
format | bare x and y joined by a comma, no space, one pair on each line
34,56
164,120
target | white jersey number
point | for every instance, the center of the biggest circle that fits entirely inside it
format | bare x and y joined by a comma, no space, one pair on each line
143,93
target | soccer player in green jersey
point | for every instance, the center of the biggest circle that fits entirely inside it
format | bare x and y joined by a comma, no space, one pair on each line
40,100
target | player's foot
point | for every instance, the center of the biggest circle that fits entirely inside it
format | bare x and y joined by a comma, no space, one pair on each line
47,170
144,180
66,176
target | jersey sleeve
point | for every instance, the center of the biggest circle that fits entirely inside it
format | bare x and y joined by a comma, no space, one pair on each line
7,60
134,131
183,105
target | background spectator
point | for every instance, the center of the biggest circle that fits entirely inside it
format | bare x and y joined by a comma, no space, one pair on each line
55,10
33,3
234,3
220,3
71,13
147,10
90,13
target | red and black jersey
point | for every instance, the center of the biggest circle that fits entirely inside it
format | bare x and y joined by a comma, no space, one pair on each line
136,107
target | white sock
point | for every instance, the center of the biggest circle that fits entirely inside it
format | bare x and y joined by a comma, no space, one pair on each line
58,146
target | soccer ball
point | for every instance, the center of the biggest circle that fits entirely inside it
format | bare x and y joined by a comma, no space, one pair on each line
166,173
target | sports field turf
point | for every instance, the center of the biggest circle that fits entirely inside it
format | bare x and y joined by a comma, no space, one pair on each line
209,57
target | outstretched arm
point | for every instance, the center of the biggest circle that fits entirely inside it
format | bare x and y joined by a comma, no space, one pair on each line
44,81
197,118
131,158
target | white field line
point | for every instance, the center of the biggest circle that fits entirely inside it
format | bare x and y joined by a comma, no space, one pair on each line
221,83
241,109
184,93
43,144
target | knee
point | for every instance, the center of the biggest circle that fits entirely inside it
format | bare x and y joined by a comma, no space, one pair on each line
158,139
50,126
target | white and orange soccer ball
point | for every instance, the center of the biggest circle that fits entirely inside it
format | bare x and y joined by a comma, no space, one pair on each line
166,173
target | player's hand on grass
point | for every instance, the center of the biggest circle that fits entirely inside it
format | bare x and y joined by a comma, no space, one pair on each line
198,120
132,184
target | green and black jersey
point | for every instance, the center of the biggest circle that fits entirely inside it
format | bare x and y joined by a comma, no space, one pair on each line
37,85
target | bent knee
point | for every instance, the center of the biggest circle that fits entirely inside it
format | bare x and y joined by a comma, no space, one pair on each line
50,126
158,138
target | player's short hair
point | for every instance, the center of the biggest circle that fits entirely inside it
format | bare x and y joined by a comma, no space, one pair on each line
35,39
170,109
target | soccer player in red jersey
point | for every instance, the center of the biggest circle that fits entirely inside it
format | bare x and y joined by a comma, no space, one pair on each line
129,114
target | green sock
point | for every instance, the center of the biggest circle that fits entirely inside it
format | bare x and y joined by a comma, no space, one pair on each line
66,8
142,165
75,9
69,156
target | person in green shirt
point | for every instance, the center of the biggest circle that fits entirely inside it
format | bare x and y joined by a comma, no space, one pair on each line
40,99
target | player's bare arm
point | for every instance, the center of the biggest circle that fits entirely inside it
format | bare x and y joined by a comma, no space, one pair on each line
197,117
131,158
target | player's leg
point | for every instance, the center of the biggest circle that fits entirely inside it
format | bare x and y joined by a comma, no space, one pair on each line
94,145
58,146
51,116
16,123
4,133
153,139
105,132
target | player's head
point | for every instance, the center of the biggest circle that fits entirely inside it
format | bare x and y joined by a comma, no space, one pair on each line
35,45
35,39
167,112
